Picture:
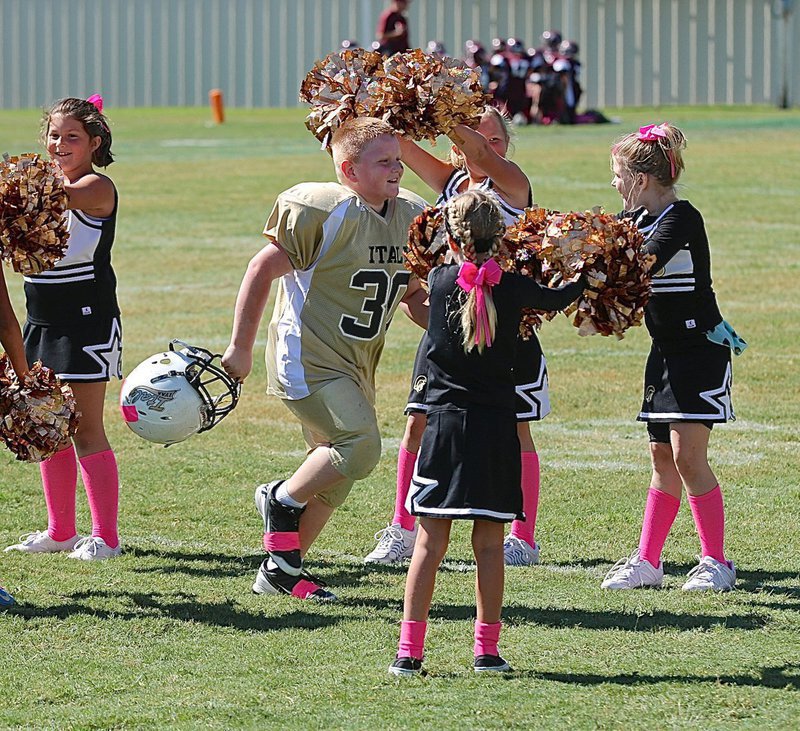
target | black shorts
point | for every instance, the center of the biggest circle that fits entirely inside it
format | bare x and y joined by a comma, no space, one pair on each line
658,431
90,352
530,377
690,382
468,466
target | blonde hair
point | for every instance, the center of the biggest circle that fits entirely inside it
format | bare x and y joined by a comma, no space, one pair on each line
353,135
661,158
475,224
93,121
456,158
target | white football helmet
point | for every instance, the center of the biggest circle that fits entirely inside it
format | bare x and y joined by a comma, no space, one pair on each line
174,394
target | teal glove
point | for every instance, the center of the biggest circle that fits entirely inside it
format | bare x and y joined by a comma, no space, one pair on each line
724,334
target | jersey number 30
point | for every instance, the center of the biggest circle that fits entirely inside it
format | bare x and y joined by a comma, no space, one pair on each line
382,294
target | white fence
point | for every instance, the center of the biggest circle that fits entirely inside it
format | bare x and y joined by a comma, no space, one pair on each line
171,52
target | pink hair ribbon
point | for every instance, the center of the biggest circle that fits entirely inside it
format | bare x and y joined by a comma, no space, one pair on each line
470,277
97,101
652,133
658,133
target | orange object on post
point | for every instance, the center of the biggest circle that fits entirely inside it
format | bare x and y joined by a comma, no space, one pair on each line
217,109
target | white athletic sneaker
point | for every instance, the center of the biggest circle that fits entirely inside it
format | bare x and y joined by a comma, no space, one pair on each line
94,548
633,573
40,542
394,544
711,575
519,552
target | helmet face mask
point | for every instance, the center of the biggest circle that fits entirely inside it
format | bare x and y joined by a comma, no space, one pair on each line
177,393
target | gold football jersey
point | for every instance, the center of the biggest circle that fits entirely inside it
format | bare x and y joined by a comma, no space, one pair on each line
331,313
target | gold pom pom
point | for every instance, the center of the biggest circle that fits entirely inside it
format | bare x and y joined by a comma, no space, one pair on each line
38,413
33,228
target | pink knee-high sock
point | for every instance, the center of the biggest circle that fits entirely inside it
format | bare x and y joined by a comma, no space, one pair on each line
59,480
660,512
486,638
530,498
405,471
709,519
101,479
412,639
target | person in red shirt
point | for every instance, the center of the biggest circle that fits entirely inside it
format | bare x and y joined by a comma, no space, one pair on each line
392,28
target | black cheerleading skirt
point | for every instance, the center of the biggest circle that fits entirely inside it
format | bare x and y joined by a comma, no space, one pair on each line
89,352
468,466
530,377
687,382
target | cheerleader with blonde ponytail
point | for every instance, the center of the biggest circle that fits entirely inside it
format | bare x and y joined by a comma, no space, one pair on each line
469,464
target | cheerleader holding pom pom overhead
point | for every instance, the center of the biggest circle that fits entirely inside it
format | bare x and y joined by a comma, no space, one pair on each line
73,327
477,161
687,380
469,458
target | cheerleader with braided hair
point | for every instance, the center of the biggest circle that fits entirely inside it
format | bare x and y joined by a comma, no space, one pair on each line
469,459
477,161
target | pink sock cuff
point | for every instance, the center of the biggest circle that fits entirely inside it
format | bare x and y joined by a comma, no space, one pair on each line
713,494
486,638
66,453
412,639
282,541
657,494
304,589
104,456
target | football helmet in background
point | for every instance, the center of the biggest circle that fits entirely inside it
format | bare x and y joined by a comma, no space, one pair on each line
177,393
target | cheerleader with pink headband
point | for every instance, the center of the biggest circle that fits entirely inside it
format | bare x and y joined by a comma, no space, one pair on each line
73,326
469,465
687,380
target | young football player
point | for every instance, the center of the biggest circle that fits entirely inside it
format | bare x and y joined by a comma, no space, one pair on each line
687,379
469,460
335,250
477,161
73,326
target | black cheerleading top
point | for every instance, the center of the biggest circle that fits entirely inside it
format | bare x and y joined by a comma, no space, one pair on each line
456,180
682,303
463,379
83,283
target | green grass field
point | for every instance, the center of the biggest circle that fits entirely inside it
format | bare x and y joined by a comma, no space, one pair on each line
170,636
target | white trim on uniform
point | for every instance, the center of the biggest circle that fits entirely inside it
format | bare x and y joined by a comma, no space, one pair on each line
719,398
289,343
536,395
677,416
425,486
108,356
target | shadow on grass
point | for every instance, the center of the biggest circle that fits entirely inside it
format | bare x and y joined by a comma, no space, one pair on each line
180,606
187,562
606,619
781,676
220,565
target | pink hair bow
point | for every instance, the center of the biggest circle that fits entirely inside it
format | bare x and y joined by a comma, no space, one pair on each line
657,133
97,101
652,133
486,275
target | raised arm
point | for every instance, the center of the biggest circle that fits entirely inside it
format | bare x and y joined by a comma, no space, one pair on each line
266,266
430,169
509,180
543,298
93,194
